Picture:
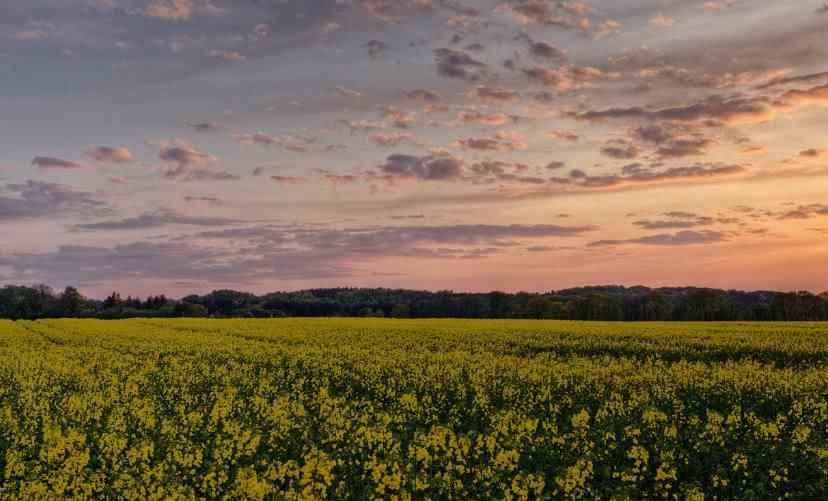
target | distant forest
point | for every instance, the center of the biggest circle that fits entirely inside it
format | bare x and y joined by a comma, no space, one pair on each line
614,303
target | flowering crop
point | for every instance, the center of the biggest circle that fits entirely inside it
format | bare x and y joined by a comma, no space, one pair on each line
366,408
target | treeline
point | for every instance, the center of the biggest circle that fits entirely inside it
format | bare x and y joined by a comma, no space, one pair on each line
40,301
614,303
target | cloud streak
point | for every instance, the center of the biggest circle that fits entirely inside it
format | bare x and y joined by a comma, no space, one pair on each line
34,199
682,238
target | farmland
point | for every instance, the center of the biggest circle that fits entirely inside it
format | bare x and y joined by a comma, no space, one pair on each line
362,408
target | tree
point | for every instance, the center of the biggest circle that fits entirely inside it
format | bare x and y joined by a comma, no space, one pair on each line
156,302
189,310
539,307
401,311
133,303
598,307
226,302
17,302
113,301
70,303
656,307
582,303
706,304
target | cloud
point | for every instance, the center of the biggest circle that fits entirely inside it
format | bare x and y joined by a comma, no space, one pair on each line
170,10
476,234
806,212
458,64
34,199
620,150
363,125
546,248
209,200
204,126
493,171
406,217
495,95
177,10
545,51
330,27
688,78
56,163
275,252
658,133
491,168
428,168
678,148
106,5
87,265
183,155
424,6
259,138
489,144
227,56
290,179
392,139
187,159
376,48
478,118
756,75
814,95
635,174
156,219
808,78
379,9
35,31
261,31
565,135
811,153
608,28
426,95
661,20
681,238
674,140
565,79
188,173
724,4
333,148
342,91
295,144
546,13
114,154
295,148
398,240
398,117
465,23
733,110
339,179
675,220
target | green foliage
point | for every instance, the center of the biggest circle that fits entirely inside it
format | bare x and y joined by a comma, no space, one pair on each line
583,303
401,311
189,310
407,409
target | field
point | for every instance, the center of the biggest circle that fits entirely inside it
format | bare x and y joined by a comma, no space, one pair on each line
353,408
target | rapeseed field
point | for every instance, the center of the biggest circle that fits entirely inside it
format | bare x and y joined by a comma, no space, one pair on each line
397,409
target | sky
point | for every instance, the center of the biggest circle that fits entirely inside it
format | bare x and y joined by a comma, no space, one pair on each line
181,146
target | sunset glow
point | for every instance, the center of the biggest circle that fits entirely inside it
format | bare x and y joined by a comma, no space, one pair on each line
181,146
